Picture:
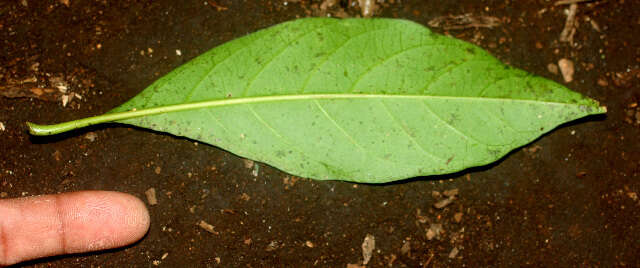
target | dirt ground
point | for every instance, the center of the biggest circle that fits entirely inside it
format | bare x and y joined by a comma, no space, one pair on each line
570,198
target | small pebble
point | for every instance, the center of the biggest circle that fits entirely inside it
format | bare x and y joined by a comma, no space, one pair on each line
91,136
457,217
552,68
602,82
454,252
273,245
248,163
567,69
151,196
367,8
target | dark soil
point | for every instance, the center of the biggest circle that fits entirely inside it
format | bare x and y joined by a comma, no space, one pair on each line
568,199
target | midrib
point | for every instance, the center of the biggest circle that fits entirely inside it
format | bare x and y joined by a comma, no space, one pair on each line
111,117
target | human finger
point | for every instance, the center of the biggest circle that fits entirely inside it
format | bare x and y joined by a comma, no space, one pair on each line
39,226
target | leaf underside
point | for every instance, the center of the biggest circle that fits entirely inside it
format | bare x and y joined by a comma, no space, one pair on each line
366,100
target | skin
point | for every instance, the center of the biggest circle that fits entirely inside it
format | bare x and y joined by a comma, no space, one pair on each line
47,225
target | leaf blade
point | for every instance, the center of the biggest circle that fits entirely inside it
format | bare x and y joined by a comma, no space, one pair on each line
348,99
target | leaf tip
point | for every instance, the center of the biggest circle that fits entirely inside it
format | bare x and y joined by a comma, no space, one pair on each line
603,109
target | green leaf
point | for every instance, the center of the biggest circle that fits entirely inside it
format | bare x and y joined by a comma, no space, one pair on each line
367,100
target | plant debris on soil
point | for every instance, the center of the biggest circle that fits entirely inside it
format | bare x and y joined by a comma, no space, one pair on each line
569,198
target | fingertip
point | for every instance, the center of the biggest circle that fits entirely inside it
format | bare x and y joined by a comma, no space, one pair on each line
138,212
105,220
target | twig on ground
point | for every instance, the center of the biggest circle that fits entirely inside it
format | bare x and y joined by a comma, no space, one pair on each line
216,6
569,2
464,21
569,25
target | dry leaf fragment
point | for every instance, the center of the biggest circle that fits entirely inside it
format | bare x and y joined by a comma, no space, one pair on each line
326,4
59,83
207,227
444,202
434,231
368,245
62,88
29,90
451,193
406,248
37,91
65,100
430,234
